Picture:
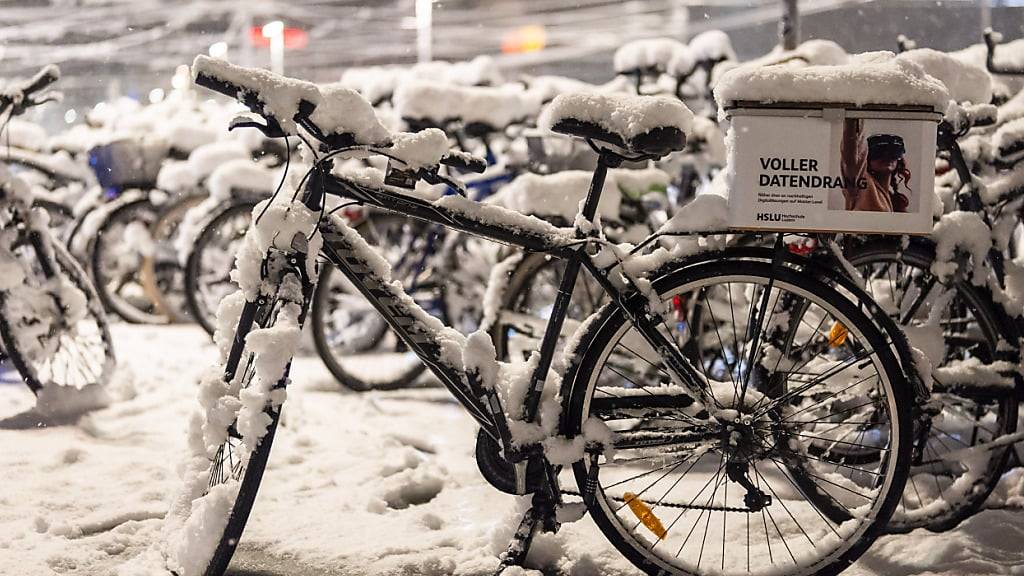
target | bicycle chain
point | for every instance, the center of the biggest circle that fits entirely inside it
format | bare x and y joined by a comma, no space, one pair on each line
681,506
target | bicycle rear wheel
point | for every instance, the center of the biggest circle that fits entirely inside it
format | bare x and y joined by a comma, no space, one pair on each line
962,319
742,494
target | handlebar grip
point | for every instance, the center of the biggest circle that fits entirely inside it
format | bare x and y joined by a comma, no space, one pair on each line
217,85
464,161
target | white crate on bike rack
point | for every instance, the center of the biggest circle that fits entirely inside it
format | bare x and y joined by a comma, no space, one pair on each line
789,168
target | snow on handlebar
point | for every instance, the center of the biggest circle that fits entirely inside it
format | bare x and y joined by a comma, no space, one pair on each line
336,116
19,94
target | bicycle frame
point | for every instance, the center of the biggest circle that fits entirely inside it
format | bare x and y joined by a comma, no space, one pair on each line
345,249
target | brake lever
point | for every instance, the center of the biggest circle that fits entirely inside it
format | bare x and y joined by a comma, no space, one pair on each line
431,176
271,129
48,97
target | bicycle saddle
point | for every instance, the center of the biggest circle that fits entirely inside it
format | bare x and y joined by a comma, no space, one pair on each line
648,125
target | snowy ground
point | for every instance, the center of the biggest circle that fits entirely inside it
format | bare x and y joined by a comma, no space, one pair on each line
380,483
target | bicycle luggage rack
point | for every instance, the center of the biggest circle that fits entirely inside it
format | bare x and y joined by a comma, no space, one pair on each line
793,172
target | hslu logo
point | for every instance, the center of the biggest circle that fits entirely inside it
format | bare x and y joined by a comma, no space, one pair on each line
768,217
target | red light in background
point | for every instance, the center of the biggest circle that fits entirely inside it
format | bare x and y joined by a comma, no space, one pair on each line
294,38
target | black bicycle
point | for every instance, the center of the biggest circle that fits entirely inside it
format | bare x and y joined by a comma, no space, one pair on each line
52,324
687,466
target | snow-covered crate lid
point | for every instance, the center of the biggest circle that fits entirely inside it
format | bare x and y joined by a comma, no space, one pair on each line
874,79
832,168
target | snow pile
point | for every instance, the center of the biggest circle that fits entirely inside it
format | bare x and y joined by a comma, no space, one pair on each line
965,231
872,78
711,46
621,114
815,52
682,62
1004,186
228,180
647,54
280,96
375,83
705,213
1008,140
441,103
241,175
422,149
342,110
282,222
559,195
546,88
397,469
178,176
965,82
480,71
22,134
59,163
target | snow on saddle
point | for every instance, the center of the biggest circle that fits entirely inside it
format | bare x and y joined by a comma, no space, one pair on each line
646,125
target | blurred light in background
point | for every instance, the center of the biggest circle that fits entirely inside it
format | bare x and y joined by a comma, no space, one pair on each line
156,95
182,77
530,38
70,115
218,49
271,29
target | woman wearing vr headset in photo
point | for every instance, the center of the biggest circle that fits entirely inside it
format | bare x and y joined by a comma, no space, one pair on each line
873,171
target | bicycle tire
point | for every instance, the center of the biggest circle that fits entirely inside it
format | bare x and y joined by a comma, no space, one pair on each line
410,369
250,479
152,271
607,326
521,286
30,370
993,326
141,310
195,304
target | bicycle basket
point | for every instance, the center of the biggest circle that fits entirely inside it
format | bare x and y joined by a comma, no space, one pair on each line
128,163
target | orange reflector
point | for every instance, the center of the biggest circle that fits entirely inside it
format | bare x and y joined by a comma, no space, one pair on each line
645,515
837,335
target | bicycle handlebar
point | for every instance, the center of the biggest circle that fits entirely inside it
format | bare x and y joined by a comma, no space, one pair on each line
992,39
249,96
248,87
19,96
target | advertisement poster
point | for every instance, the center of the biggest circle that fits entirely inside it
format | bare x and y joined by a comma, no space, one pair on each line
833,174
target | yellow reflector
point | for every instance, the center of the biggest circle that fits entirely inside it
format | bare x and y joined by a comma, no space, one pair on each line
837,335
645,515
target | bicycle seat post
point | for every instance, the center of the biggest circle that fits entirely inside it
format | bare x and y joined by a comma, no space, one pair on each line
606,159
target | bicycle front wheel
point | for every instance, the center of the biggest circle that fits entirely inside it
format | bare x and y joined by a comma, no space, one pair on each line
209,265
62,347
741,487
220,496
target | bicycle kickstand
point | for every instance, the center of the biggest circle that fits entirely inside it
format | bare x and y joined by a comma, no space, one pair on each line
540,514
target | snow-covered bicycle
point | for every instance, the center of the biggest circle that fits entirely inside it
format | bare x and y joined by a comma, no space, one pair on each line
52,323
684,473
